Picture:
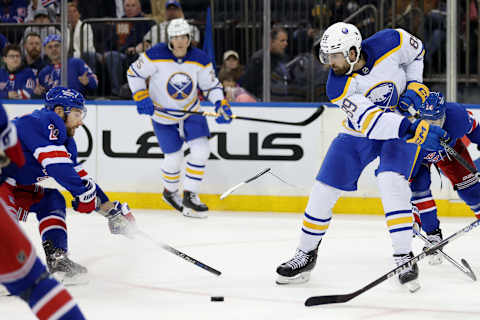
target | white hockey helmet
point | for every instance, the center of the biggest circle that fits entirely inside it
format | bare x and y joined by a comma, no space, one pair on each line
178,27
340,37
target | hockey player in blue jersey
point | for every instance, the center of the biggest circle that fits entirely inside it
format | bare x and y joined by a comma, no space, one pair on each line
16,81
365,81
80,76
21,270
458,122
175,71
46,136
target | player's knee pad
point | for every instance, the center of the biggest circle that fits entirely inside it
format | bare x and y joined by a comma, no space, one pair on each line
321,201
199,150
394,190
172,161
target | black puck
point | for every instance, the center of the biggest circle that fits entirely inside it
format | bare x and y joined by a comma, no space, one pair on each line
217,298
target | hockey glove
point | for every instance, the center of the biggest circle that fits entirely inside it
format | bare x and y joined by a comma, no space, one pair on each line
413,97
425,135
144,102
121,220
222,108
86,202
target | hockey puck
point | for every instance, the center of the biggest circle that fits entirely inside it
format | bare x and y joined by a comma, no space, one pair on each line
217,298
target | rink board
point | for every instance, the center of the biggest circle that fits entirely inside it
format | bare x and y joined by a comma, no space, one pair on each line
120,151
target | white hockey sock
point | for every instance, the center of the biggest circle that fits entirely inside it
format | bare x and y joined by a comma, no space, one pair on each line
317,216
171,170
395,193
195,168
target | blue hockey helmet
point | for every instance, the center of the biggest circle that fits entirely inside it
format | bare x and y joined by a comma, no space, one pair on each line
433,109
66,98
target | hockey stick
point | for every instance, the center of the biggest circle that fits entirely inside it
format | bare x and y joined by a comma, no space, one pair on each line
179,253
229,191
465,268
305,122
451,151
341,298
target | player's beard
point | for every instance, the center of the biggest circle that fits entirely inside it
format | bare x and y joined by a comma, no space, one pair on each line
34,53
340,71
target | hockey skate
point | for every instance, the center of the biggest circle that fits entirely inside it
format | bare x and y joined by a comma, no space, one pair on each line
297,270
62,268
408,275
434,237
173,199
192,206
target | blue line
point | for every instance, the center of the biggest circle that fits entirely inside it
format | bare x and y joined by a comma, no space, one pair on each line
316,219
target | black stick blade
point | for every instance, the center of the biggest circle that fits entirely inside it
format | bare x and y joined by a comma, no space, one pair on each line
319,300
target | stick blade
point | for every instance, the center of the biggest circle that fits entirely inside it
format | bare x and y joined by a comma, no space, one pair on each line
319,300
471,274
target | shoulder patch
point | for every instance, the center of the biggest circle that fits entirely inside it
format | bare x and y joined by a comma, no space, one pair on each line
159,51
382,42
52,127
199,56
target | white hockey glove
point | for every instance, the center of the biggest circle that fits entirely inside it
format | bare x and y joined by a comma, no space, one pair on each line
121,220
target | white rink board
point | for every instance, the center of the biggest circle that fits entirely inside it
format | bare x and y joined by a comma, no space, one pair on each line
120,162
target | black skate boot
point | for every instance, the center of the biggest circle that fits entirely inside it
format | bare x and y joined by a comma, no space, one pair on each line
408,275
192,206
60,266
173,199
297,269
434,237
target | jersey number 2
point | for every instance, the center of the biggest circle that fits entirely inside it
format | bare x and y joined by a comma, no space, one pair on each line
53,132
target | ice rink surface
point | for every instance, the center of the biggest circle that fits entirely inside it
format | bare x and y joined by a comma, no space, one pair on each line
137,280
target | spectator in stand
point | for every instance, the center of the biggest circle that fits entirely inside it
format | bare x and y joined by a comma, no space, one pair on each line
3,42
88,51
16,81
38,4
80,76
233,92
41,16
252,80
13,11
129,36
32,53
231,64
158,33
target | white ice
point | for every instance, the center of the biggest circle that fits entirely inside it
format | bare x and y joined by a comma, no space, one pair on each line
137,280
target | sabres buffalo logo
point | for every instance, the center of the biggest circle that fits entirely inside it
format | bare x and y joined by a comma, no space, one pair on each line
179,86
384,94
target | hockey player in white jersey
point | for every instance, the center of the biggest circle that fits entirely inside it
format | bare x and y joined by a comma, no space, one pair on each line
175,71
365,81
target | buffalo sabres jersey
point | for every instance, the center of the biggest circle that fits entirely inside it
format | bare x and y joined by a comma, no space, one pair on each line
48,152
174,81
393,58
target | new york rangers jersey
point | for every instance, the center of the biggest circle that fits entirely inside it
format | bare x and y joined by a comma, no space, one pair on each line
393,58
174,81
21,81
49,76
48,152
458,123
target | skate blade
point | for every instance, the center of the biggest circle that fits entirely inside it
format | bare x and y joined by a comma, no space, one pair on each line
298,279
4,292
412,286
194,214
78,279
171,205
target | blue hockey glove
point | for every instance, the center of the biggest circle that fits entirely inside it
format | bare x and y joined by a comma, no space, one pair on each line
425,135
413,97
223,109
144,102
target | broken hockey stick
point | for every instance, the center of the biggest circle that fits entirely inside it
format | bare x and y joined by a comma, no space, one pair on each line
229,191
341,298
305,122
465,268
179,253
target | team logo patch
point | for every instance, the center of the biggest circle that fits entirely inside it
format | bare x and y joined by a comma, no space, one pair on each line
179,86
384,94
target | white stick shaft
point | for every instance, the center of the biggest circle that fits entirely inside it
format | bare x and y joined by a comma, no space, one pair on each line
229,191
